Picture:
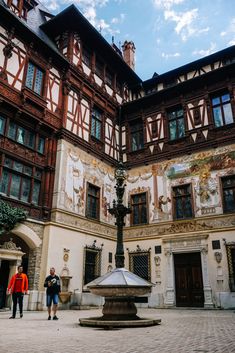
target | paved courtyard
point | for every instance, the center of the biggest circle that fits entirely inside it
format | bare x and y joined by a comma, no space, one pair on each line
181,331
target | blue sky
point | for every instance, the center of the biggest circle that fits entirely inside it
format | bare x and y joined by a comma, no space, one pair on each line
167,33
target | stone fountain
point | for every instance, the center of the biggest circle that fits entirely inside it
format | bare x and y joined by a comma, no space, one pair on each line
119,287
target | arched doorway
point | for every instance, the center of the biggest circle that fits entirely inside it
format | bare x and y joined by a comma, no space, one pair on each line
15,249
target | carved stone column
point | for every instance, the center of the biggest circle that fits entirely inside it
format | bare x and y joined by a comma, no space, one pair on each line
170,291
208,303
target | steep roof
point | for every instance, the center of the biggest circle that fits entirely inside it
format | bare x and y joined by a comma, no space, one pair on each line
72,19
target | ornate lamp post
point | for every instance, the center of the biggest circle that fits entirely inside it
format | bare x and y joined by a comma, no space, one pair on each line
119,211
119,287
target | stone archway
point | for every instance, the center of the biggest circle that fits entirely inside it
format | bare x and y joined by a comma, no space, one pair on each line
17,248
28,235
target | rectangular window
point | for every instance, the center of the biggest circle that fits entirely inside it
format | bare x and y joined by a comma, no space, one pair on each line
92,264
140,264
176,123
41,144
139,208
96,124
137,135
34,78
93,201
21,135
228,185
182,202
19,181
222,110
2,125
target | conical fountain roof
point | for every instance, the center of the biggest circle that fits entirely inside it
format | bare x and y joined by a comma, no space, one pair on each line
119,277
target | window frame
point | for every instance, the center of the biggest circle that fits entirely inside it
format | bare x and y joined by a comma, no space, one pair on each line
169,112
13,172
36,69
97,118
97,265
136,131
174,208
89,195
222,179
139,205
36,137
219,95
133,255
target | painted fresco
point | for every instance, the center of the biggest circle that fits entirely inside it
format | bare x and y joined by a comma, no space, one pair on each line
79,168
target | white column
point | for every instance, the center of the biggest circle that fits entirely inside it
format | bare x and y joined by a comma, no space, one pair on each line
170,291
208,303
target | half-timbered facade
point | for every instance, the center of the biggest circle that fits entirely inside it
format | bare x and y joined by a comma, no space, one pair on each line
70,108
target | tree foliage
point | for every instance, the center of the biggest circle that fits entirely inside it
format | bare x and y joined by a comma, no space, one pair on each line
10,216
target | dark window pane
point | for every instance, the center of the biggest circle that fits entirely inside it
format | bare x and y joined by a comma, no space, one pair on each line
41,143
38,81
176,124
25,190
2,125
34,78
139,208
36,192
93,200
222,110
4,182
30,76
182,202
228,115
12,131
15,186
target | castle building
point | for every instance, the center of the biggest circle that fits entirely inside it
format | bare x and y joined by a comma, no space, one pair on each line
71,107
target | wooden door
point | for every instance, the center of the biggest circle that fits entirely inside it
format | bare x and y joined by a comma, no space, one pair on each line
188,280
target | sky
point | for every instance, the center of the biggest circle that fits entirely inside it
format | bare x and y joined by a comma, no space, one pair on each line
167,33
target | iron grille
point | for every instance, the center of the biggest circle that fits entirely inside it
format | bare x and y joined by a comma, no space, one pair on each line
140,264
231,265
92,263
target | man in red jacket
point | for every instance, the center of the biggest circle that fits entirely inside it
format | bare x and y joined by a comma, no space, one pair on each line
18,286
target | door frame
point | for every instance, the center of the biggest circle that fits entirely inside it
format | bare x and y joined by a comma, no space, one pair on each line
186,244
188,265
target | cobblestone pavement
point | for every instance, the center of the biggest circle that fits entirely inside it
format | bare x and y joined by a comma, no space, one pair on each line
181,331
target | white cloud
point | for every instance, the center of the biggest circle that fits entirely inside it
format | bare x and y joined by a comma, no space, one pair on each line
167,4
167,56
183,22
205,52
51,5
230,30
120,19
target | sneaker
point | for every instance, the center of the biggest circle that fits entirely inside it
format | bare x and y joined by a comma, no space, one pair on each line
49,317
21,315
55,318
12,317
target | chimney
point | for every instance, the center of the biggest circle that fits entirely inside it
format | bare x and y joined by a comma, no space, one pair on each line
128,49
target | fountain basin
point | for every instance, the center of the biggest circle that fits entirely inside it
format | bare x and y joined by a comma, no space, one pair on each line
119,287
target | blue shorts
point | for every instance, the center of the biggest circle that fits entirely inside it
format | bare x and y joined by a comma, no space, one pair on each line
52,298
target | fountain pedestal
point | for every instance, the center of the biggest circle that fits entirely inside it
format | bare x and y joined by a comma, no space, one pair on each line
119,288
